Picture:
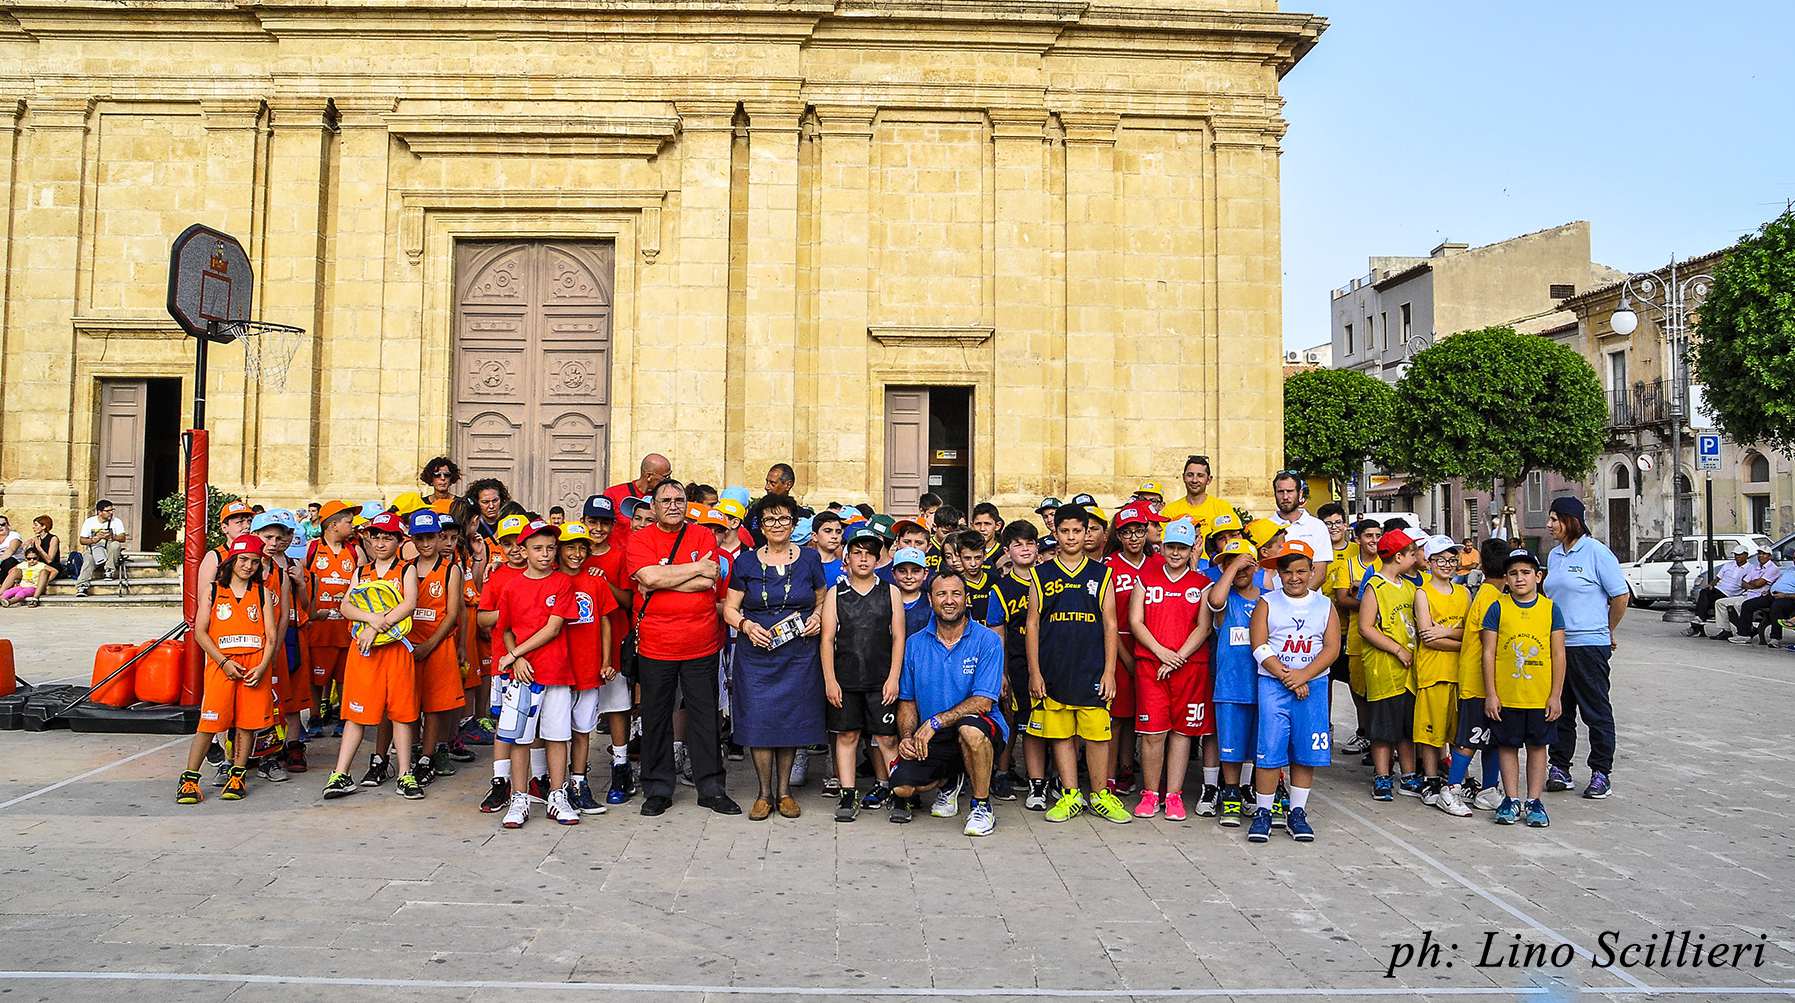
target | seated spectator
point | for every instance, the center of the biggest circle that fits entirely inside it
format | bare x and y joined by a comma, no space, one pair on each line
1765,613
12,546
48,548
25,583
102,537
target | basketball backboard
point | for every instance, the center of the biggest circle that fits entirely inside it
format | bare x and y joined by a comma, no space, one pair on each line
210,283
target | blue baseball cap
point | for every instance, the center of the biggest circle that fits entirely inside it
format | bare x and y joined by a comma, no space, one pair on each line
909,555
274,517
598,507
1180,530
739,494
630,505
425,521
801,531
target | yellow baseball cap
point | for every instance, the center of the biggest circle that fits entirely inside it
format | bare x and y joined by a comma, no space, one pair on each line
1224,523
571,531
1238,546
511,526
409,502
732,508
1097,513
1150,488
1261,531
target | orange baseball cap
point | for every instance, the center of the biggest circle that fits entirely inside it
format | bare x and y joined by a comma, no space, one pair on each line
1291,548
234,509
331,509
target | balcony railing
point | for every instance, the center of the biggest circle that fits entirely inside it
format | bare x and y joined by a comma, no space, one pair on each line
1641,405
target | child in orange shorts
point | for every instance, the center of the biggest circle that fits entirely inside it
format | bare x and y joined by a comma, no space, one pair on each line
235,629
380,680
437,618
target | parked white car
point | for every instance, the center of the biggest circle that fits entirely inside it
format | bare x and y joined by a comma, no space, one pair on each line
1649,577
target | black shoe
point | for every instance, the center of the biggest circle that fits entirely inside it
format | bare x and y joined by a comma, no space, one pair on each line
1696,629
735,753
378,772
904,809
498,798
442,762
1003,788
848,808
214,754
722,804
877,797
423,772
619,791
658,805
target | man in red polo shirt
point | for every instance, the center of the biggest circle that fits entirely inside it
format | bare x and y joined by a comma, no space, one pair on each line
655,469
679,582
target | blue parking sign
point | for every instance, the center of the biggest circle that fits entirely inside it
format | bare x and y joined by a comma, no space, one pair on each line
1707,452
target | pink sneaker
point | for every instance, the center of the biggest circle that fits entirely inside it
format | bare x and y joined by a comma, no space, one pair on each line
1175,807
1149,805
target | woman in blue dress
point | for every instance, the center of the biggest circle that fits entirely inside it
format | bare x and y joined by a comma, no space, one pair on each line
776,693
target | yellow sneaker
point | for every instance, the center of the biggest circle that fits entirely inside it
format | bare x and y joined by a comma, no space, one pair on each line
1070,805
1109,807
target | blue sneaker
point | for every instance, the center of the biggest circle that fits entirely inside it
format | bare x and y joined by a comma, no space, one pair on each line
1412,786
1280,806
1558,780
1260,830
1598,787
1536,815
1382,788
1509,812
1297,824
619,791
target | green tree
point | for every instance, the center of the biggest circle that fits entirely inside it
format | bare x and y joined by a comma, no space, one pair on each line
1335,420
1745,344
1494,403
174,516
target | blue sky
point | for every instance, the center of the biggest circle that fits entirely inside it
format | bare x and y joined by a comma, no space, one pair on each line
1670,127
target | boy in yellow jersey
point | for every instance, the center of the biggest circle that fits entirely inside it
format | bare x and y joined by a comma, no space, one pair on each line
1523,681
1333,516
1440,607
1387,627
1473,726
1360,562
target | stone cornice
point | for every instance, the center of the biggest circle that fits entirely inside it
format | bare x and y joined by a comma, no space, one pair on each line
558,135
415,203
930,336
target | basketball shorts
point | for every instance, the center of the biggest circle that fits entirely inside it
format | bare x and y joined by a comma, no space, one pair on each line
565,711
1292,730
864,711
1391,719
230,703
1052,720
1435,709
380,684
614,697
1122,708
1236,724
944,759
1474,728
293,690
439,680
1179,702
1521,727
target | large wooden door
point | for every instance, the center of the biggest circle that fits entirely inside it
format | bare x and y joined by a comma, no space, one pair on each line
533,367
906,449
124,406
1620,526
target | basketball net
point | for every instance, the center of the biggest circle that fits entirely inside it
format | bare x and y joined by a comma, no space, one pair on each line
268,350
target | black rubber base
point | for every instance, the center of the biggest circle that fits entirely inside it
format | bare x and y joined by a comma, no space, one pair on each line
40,708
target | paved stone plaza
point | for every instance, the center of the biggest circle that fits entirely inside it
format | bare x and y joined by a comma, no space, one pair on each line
282,897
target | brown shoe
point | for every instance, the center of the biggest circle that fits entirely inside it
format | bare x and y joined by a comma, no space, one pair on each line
788,807
761,810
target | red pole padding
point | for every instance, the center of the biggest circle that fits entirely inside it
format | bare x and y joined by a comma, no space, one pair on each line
193,551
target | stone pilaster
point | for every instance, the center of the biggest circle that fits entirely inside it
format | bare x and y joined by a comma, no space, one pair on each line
1249,321
771,282
847,443
1031,380
1093,283
11,107
706,130
370,393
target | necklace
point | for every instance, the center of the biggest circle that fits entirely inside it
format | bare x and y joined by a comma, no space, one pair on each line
790,553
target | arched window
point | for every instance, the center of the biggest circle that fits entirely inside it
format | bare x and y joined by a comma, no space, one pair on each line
1757,469
1622,478
1685,486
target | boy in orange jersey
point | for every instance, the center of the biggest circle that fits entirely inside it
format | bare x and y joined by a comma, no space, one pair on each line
380,680
330,563
436,622
235,628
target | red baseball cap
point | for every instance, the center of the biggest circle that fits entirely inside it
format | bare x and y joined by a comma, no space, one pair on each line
1137,513
248,543
386,522
1393,543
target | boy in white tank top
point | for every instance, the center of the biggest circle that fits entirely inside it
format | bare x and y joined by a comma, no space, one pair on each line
1296,636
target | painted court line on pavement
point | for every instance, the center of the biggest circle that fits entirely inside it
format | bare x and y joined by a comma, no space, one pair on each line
60,784
1494,899
900,992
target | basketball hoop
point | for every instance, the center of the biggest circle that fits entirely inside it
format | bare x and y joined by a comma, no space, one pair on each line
268,349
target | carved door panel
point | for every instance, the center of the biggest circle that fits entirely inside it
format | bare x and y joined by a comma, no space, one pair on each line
532,350
906,448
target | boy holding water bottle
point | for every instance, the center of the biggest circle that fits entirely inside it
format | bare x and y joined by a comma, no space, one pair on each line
538,668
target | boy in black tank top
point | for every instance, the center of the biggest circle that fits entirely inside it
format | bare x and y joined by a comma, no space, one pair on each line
863,654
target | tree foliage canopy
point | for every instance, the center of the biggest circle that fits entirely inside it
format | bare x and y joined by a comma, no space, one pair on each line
1496,403
1335,420
1745,348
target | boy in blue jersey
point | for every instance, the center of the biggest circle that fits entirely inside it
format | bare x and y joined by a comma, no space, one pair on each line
826,535
909,574
1007,614
1072,666
1228,615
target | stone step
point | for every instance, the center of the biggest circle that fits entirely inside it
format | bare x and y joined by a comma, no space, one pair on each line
97,597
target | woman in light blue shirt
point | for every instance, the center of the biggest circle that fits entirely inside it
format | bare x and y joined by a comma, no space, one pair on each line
1584,580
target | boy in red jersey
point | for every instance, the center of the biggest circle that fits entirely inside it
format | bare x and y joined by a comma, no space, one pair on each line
498,797
589,648
533,608
1131,556
616,697
1173,682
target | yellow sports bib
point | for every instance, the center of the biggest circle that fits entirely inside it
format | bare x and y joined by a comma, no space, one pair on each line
1470,657
1385,675
1448,610
1524,653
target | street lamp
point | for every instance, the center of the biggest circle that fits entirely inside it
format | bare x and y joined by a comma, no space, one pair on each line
1673,299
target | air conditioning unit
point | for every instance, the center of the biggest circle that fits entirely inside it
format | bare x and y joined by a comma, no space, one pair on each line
1292,358
1312,358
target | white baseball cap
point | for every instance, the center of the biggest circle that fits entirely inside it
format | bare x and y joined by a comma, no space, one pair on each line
1434,546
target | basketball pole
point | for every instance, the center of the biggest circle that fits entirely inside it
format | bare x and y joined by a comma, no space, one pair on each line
193,544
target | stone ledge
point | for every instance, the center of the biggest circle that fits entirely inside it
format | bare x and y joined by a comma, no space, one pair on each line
924,335
564,136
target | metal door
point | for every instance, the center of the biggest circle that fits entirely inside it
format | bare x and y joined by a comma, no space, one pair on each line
123,413
906,449
533,368
1620,527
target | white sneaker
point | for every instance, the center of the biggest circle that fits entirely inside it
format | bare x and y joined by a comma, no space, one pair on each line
559,809
980,821
519,811
682,764
800,769
1740,639
1488,799
1209,801
1431,797
1449,802
947,800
